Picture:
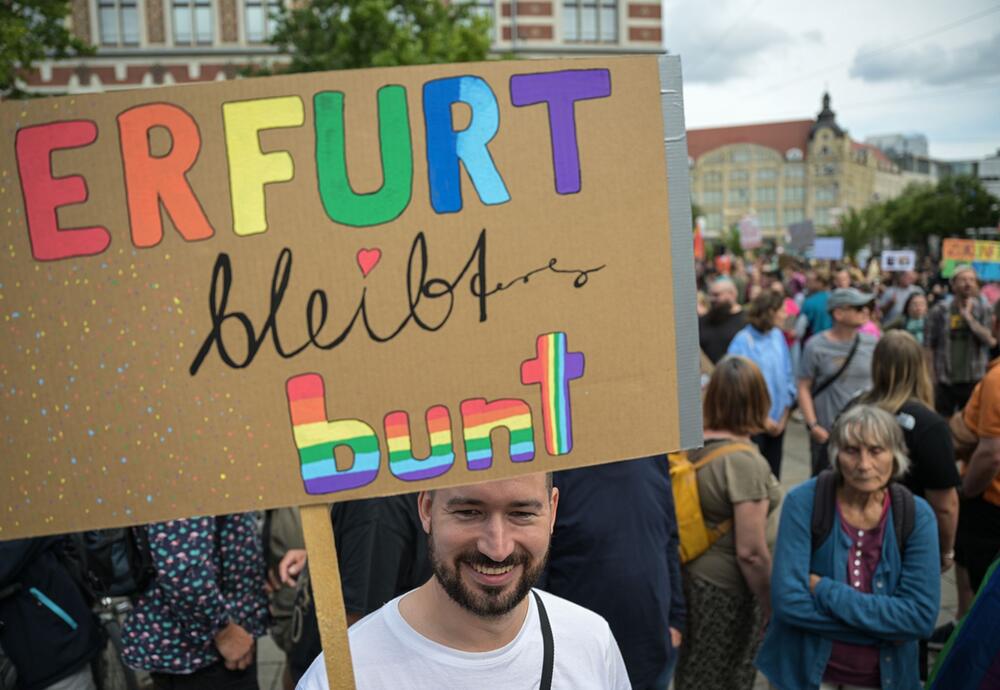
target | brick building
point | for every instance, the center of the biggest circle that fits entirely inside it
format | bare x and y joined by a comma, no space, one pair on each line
152,42
786,172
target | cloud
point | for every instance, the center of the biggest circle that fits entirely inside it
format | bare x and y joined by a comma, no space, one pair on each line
719,51
930,65
814,36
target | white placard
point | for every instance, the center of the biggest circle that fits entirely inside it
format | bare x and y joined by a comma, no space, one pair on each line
899,260
831,248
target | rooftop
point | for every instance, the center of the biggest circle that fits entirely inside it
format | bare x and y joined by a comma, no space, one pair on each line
779,136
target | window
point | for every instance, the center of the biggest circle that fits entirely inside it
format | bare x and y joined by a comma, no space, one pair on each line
762,154
793,215
739,175
766,174
794,154
766,194
822,216
765,218
826,194
260,19
712,176
738,195
740,155
795,172
713,196
713,221
118,21
794,194
192,22
590,21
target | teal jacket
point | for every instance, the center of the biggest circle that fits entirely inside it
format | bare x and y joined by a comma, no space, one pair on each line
902,609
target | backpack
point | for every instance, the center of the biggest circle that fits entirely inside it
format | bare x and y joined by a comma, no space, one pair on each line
107,563
695,536
824,507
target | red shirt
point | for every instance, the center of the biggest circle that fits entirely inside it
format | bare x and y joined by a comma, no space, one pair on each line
854,664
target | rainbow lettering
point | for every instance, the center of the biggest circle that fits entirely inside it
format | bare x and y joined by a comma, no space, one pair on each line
317,438
553,368
402,464
479,418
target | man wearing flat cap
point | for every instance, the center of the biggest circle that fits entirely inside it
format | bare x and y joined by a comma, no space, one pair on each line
959,334
836,365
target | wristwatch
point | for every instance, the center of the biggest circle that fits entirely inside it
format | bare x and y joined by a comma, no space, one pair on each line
811,425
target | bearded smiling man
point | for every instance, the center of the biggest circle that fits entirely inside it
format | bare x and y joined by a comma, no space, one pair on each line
477,621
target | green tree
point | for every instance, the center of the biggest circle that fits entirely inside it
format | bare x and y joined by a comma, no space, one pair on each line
348,34
859,228
950,207
31,30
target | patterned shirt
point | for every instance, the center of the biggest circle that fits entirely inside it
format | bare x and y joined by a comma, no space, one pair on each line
959,355
209,571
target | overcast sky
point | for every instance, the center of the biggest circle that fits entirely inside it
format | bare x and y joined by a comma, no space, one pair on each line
925,66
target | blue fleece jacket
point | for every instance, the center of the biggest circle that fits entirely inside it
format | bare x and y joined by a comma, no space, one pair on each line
902,608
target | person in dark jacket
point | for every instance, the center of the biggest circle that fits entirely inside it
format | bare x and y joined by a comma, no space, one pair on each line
615,551
46,627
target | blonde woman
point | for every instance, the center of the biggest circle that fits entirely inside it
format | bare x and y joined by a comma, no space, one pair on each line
902,387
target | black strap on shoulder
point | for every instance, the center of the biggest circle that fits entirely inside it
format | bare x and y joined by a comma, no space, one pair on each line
824,506
843,367
903,513
548,646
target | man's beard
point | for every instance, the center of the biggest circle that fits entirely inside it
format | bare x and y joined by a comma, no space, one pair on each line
485,601
719,312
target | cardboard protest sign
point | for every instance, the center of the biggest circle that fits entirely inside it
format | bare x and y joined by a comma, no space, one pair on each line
829,248
983,255
801,235
899,260
750,233
311,288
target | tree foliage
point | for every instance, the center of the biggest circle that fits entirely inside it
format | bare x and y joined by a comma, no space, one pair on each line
950,207
860,228
348,34
32,30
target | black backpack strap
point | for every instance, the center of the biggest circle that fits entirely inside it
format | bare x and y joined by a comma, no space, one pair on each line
824,505
823,385
548,646
903,513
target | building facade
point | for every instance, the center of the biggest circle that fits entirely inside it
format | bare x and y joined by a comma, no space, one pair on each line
152,42
783,173
900,144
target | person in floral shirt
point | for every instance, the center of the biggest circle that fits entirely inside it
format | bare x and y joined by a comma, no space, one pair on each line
196,624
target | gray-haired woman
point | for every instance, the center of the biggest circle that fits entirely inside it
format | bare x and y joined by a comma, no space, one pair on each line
850,603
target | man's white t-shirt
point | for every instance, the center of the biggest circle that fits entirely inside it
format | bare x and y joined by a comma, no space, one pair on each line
388,653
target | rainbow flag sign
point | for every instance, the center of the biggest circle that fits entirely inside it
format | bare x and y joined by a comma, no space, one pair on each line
297,290
984,255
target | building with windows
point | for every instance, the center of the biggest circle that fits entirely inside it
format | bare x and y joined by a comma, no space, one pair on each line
786,172
153,42
900,144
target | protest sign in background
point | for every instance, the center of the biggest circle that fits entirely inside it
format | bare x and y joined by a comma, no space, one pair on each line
983,255
258,293
899,260
829,248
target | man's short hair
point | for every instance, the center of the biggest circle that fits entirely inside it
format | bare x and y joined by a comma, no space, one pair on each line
548,485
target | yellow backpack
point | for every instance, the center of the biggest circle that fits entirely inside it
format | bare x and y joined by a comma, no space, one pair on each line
695,536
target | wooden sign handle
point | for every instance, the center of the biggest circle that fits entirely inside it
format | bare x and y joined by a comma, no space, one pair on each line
324,575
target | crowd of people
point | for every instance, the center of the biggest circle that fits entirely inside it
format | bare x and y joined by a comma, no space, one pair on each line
576,580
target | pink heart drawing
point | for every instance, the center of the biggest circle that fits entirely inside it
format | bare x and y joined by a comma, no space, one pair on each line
368,259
